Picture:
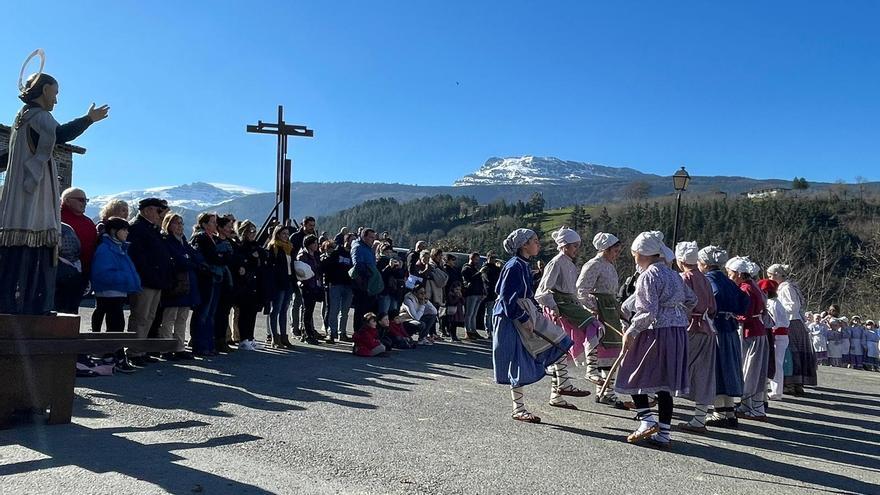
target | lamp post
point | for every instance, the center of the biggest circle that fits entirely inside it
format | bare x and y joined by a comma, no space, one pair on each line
680,181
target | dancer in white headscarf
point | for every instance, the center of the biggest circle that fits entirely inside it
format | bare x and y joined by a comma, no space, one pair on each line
756,350
597,288
525,343
803,358
655,343
702,346
556,293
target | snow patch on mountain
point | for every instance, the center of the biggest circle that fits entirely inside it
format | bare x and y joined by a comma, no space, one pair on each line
195,196
539,170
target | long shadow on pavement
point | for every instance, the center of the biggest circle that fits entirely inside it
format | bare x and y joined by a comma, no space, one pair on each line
103,450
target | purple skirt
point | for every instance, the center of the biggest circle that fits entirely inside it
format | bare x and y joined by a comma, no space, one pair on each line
655,362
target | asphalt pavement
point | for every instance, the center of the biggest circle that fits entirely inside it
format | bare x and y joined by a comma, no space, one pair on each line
317,419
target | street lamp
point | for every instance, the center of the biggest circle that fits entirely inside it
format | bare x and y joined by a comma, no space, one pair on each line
680,181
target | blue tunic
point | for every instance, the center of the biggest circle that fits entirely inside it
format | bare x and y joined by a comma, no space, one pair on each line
728,360
512,364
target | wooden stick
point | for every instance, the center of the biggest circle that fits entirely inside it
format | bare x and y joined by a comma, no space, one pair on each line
610,374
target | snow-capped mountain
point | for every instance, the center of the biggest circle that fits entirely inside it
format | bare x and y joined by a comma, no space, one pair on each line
539,170
195,196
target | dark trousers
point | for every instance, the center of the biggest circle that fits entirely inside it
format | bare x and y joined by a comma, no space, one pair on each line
68,291
247,320
664,405
325,309
201,325
422,327
29,273
221,317
112,309
307,316
363,303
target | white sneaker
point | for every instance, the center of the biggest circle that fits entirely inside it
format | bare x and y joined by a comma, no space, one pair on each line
425,342
246,345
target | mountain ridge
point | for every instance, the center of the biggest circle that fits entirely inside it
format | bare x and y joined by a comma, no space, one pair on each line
530,169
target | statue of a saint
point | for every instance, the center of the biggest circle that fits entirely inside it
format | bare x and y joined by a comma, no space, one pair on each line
30,218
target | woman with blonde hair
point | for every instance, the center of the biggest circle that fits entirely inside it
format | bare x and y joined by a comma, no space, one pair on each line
113,208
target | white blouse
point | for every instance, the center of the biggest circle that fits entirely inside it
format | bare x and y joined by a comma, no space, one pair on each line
561,275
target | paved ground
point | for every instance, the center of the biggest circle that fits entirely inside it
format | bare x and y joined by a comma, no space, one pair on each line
430,420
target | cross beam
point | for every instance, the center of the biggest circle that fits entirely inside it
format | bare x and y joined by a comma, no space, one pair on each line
281,212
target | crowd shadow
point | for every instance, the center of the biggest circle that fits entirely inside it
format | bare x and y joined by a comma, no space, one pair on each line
281,381
104,450
285,381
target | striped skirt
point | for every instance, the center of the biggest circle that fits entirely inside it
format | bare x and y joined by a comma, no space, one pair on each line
802,355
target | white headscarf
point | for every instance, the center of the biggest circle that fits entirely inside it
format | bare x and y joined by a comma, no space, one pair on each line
755,270
649,243
782,270
713,256
687,252
604,240
517,239
565,236
739,264
668,254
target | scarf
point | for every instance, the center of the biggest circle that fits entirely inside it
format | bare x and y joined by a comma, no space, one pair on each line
284,245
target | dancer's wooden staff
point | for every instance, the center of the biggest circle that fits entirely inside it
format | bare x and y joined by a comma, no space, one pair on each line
610,374
613,366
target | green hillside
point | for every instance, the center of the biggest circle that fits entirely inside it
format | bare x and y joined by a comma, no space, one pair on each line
832,243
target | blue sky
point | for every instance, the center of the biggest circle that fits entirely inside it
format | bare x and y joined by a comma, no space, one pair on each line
424,92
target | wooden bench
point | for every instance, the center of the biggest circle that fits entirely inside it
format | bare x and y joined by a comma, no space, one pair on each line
38,361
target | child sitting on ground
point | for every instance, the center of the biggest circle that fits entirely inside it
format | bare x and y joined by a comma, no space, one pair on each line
366,339
391,328
454,310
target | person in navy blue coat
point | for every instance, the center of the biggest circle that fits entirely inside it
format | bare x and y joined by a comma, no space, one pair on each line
183,295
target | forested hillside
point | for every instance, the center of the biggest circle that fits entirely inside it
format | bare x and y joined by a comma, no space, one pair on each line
833,244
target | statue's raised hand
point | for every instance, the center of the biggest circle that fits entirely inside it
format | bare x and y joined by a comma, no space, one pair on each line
96,114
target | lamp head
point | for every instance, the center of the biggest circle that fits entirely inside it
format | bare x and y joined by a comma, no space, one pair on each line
681,179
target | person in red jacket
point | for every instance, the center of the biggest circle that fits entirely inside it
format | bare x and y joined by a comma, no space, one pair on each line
73,213
366,339
755,346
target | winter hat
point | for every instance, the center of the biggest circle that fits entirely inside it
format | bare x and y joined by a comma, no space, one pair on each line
116,223
768,285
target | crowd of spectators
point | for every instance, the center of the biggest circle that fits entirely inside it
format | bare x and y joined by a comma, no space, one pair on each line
206,291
